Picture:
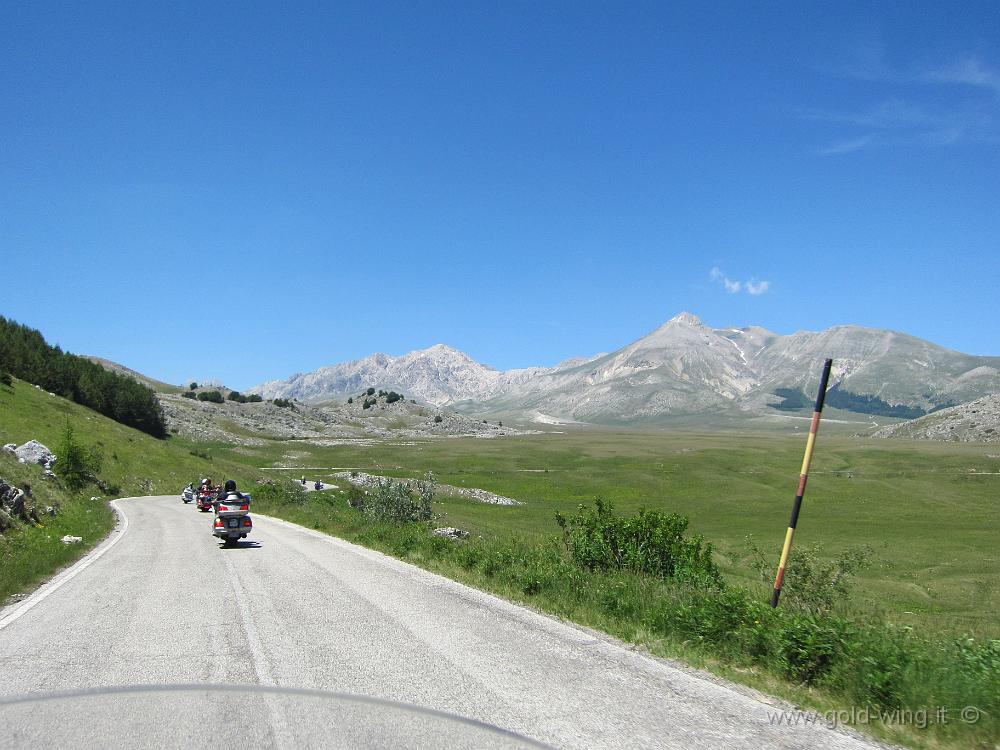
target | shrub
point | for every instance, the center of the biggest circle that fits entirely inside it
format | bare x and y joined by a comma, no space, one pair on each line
253,398
5,379
397,502
370,392
367,404
438,419
235,396
392,397
810,645
350,400
284,403
189,394
77,466
649,542
213,396
284,492
192,386
355,496
810,584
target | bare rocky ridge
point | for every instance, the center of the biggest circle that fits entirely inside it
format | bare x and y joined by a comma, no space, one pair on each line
975,422
252,423
438,375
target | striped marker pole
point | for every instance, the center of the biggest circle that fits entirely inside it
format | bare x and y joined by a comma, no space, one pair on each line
803,476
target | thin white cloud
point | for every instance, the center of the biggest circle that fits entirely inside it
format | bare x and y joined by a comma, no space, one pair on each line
966,72
895,121
846,147
732,286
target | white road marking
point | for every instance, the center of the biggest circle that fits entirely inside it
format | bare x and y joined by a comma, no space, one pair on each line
67,575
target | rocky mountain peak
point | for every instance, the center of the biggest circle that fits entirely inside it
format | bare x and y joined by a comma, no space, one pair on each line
687,319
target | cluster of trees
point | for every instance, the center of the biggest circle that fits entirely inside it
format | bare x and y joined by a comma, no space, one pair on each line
25,354
371,398
839,399
215,397
794,400
250,398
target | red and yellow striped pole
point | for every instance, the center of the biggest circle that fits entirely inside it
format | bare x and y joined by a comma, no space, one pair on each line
803,476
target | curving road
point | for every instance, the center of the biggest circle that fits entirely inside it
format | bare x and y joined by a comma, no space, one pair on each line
161,603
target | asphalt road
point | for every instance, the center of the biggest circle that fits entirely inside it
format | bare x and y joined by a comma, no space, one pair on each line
161,603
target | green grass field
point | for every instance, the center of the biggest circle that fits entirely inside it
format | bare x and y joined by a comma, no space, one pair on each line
929,510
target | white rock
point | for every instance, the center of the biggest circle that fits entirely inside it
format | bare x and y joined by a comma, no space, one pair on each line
11,448
452,533
34,452
71,539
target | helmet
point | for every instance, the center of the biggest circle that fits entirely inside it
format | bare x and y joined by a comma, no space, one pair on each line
230,485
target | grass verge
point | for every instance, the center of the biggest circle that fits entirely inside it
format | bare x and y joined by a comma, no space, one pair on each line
30,553
833,663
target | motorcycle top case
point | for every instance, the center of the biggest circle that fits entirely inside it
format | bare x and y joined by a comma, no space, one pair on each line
233,502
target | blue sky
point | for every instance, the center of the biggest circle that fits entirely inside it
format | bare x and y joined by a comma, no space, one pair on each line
208,190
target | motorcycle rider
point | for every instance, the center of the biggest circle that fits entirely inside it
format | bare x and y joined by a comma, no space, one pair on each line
228,487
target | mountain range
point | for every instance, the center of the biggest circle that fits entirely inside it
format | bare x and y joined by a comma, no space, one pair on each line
682,368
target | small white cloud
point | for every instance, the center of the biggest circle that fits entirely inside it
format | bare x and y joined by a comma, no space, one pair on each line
732,286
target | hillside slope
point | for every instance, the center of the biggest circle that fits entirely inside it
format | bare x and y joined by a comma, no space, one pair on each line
132,460
975,422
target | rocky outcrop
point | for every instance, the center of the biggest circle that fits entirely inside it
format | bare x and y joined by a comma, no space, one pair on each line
975,422
17,504
34,452
370,481
451,533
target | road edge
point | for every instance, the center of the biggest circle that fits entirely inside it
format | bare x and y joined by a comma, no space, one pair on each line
636,652
13,612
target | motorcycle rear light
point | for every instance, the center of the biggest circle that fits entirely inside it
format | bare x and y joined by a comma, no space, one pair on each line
245,506
247,522
218,523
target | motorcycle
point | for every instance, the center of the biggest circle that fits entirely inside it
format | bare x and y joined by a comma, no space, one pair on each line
232,518
318,486
205,499
187,495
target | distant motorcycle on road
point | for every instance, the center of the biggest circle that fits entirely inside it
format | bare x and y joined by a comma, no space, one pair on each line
232,518
187,495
